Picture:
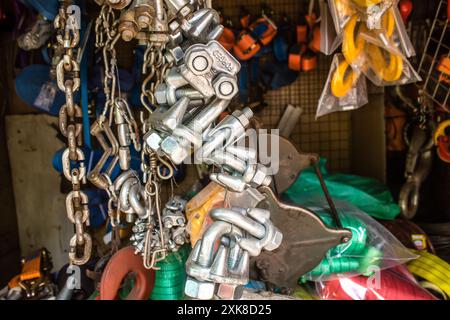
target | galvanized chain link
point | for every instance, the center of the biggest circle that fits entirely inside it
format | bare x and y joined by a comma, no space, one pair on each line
68,80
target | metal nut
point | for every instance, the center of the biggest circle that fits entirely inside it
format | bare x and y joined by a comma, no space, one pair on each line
199,289
225,87
174,150
243,116
175,55
160,93
153,140
261,177
198,62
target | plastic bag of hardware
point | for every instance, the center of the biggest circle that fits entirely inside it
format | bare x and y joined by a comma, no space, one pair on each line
341,11
329,40
372,247
387,66
390,284
371,10
344,89
198,208
368,194
391,32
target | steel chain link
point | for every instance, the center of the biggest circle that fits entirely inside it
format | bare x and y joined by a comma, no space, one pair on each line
68,80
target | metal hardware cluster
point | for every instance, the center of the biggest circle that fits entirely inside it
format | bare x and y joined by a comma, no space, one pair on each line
241,233
189,79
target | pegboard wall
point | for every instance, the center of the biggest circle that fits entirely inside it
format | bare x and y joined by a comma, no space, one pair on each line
329,135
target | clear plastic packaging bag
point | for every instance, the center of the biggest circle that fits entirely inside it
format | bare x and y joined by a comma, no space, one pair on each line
387,66
329,39
344,89
392,32
371,249
389,284
341,11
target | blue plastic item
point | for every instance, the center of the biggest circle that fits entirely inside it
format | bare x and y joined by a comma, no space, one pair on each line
280,48
29,83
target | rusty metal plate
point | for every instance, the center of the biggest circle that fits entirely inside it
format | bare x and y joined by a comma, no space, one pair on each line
306,240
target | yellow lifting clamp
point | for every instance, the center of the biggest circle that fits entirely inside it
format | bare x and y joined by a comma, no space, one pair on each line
388,71
343,79
353,43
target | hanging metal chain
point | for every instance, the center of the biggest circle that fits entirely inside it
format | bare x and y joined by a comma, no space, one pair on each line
68,79
154,69
115,111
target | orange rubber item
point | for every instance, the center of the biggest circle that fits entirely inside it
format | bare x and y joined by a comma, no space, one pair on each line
245,21
311,19
444,69
31,269
302,33
14,282
270,33
443,148
309,61
122,263
295,62
247,46
314,45
227,39
295,57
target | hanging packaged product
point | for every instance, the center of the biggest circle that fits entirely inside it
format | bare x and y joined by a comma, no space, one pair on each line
329,39
344,89
367,194
391,31
390,284
371,249
341,11
387,66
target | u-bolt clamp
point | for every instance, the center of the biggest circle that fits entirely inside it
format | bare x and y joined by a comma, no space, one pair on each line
253,174
177,146
242,233
200,26
176,87
211,70
228,131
